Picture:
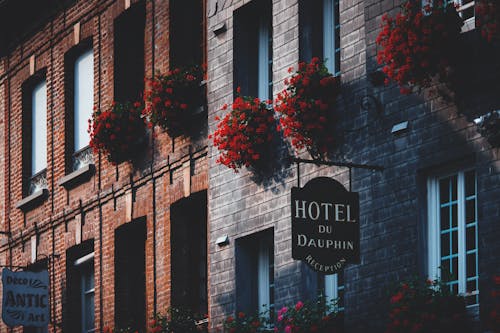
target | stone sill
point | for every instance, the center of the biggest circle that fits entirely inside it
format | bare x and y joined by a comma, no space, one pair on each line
33,200
77,177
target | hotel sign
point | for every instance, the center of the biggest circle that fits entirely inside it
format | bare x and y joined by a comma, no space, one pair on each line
25,298
325,225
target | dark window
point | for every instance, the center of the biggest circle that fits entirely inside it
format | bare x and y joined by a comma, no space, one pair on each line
252,50
319,32
255,273
130,279
189,253
34,133
187,27
129,53
79,313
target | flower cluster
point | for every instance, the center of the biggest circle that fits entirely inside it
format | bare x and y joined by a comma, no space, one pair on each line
418,44
309,317
244,134
243,323
495,312
305,106
171,98
426,307
119,132
487,14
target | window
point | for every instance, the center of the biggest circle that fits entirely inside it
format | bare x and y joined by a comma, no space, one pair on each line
35,134
189,253
465,9
79,104
253,50
452,234
187,30
319,32
333,288
255,273
129,53
130,281
80,316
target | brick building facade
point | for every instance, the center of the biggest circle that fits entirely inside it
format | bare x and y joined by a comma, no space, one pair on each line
125,219
95,222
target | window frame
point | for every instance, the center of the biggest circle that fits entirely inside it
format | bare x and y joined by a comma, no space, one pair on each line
434,230
32,181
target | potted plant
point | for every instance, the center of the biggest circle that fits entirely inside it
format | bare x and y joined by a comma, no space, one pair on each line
172,99
419,44
119,131
306,106
244,135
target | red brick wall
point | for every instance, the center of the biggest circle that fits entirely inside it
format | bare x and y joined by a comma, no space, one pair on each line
103,199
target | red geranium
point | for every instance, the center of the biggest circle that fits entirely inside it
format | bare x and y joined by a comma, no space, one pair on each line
244,134
119,132
488,18
172,98
418,44
421,307
306,105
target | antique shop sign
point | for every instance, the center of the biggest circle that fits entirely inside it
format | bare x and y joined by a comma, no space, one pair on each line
25,298
325,225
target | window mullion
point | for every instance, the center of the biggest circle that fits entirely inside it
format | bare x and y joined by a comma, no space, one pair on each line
433,233
263,61
461,233
328,35
263,276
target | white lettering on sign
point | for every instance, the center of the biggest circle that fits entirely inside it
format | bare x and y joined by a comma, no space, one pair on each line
326,211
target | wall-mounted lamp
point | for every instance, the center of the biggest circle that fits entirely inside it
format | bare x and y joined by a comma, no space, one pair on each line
222,240
220,28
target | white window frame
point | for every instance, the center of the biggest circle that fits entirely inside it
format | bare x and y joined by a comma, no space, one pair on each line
39,128
332,289
83,97
434,230
264,285
264,78
87,260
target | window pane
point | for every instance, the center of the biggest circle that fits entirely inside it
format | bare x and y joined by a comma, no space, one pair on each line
445,218
470,211
471,238
471,286
444,190
84,97
454,242
454,216
445,244
39,128
454,188
471,264
470,183
454,268
89,311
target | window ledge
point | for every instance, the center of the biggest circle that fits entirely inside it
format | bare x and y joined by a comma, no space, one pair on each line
77,177
33,200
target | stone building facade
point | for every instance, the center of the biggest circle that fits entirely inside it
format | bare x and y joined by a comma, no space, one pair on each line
146,224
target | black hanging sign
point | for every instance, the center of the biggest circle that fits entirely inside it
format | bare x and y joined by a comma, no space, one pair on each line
25,298
325,225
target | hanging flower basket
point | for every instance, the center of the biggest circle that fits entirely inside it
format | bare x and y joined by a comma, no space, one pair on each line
418,44
244,135
119,132
487,14
306,106
172,99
